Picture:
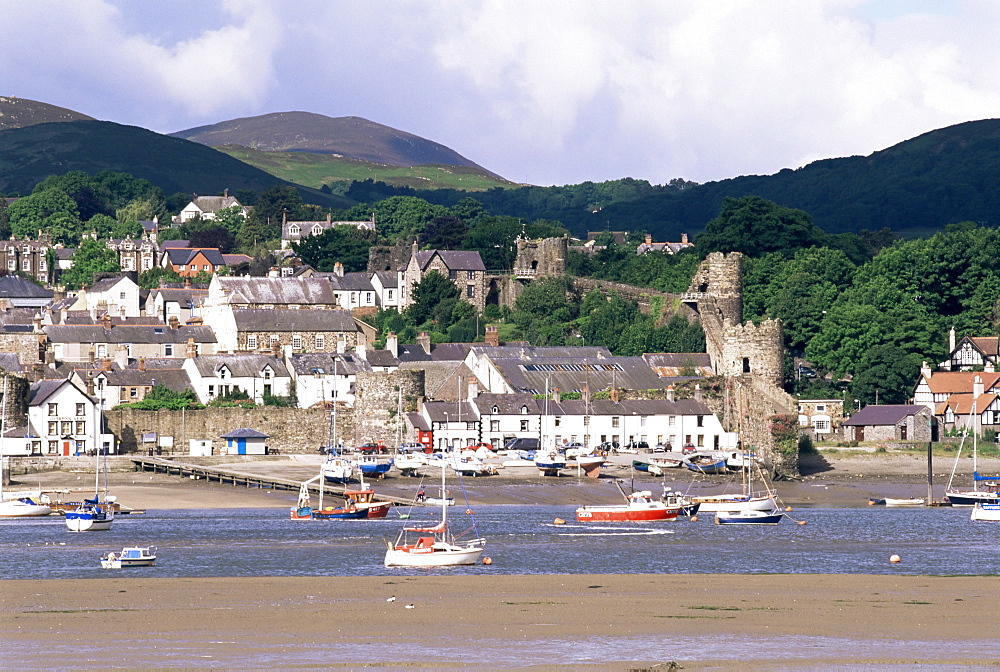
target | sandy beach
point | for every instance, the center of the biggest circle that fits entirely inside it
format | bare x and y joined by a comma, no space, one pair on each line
615,622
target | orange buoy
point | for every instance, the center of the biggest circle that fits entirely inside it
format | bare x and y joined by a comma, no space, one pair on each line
894,558
801,522
694,519
788,508
558,521
487,560
468,512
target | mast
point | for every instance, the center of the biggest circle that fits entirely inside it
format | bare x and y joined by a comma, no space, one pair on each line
334,445
3,431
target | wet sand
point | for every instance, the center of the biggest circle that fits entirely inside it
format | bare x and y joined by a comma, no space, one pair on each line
614,622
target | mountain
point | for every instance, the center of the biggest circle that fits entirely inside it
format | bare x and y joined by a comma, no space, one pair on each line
21,112
351,137
31,153
915,187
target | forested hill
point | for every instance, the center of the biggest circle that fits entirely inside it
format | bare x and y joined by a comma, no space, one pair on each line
29,155
918,186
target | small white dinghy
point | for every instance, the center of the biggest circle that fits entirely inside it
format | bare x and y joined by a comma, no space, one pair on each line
130,556
983,511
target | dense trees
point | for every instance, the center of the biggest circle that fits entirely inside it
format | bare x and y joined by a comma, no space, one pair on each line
92,256
347,244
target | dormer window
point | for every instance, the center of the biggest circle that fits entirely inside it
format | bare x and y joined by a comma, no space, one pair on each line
294,230
524,410
317,230
223,373
496,409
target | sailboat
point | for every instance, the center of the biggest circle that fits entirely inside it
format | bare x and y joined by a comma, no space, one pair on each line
94,514
985,490
434,545
17,504
744,511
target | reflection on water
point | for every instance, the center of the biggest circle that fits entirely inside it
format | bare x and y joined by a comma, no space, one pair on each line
521,540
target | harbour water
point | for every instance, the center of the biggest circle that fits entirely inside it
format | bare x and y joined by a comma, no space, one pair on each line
521,540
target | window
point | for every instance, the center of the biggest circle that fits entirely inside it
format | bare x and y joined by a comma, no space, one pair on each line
317,230
251,342
821,425
53,409
470,425
820,408
524,425
204,267
267,374
121,295
368,297
296,342
701,421
12,264
294,230
81,427
389,298
26,265
616,421
496,409
53,445
182,267
320,341
453,275
211,390
80,409
147,263
472,275
274,341
168,349
524,410
558,421
672,420
53,428
494,425
470,291
42,266
66,427
133,392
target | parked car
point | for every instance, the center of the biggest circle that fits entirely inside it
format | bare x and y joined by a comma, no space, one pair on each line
372,448
805,372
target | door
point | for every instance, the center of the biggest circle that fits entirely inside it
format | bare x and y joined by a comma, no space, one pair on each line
65,450
859,433
902,432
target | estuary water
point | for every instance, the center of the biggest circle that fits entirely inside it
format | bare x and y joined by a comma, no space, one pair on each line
521,540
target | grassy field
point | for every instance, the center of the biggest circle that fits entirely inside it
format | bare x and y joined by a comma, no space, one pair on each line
315,170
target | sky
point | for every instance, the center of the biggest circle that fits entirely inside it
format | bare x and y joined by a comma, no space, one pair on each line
551,92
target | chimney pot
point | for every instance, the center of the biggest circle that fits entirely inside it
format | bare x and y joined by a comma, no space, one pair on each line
424,341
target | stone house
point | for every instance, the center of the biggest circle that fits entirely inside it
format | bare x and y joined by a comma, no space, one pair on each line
823,416
89,342
648,246
29,257
911,422
178,302
465,269
120,385
290,330
136,255
214,376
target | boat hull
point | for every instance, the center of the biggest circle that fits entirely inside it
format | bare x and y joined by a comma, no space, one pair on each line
627,514
339,514
20,509
712,504
89,521
748,517
971,497
441,555
708,468
989,512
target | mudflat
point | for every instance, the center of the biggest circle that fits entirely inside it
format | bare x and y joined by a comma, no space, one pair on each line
611,622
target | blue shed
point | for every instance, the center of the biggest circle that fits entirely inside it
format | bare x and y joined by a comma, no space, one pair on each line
245,441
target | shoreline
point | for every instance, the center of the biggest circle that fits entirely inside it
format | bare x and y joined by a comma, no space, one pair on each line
537,622
830,479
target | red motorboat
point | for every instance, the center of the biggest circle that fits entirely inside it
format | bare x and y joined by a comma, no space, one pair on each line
638,507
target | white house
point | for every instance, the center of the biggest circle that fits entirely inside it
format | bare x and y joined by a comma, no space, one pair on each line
64,420
118,297
386,286
215,376
205,207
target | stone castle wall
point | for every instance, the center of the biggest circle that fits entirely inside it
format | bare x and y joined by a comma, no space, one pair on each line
378,401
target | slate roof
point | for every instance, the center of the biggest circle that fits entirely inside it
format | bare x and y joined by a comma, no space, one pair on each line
455,260
104,284
347,363
872,416
674,364
569,369
436,410
43,389
382,358
245,433
185,255
350,282
16,287
278,291
417,421
388,279
292,320
9,362
176,379
67,333
241,365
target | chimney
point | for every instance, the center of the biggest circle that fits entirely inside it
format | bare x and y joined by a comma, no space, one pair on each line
615,395
329,219
424,341
276,349
989,368
649,239
225,193
473,387
951,340
37,321
142,363
106,364
173,322
925,370
392,344
414,248
50,356
191,350
338,269
362,351
106,321
670,392
977,387
697,392
492,337
684,239
341,345
556,397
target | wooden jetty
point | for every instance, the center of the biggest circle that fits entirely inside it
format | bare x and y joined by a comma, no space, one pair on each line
236,478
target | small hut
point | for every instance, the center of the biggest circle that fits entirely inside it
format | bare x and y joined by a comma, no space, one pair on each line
245,441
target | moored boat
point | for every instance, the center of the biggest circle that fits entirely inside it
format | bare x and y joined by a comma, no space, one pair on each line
706,464
130,556
749,517
911,501
639,506
337,469
24,506
982,511
373,466
549,462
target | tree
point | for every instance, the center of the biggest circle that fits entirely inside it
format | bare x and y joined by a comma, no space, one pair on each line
755,226
92,256
4,220
152,278
208,233
347,244
444,233
47,209
232,218
427,294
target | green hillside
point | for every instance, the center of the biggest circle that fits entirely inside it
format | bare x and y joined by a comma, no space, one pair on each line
316,170
29,154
